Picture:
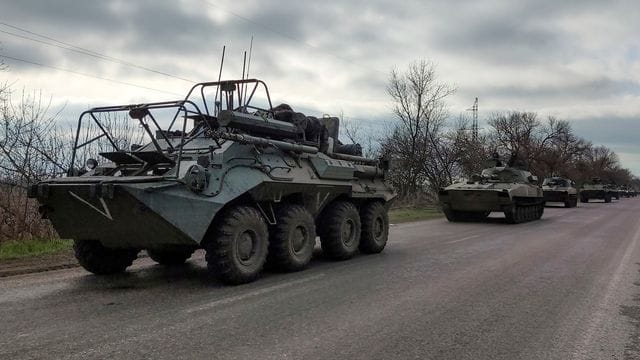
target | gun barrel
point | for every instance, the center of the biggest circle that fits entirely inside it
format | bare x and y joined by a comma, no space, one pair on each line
282,145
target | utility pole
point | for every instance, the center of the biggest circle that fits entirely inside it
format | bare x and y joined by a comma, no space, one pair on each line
474,125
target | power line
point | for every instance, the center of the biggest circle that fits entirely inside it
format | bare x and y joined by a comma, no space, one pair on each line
84,51
277,32
87,75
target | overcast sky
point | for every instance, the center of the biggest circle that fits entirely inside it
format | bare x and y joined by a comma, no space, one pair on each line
577,60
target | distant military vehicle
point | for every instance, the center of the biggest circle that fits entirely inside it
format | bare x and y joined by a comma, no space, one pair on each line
624,192
248,182
615,191
627,191
502,188
558,189
596,190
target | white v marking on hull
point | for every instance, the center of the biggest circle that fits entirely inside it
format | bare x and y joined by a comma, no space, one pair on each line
105,212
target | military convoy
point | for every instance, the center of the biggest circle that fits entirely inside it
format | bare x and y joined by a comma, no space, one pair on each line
252,184
558,189
249,183
515,192
505,189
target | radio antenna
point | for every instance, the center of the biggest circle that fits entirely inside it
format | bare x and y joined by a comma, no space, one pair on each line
241,89
218,87
248,67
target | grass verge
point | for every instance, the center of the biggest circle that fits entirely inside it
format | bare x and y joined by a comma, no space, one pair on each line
34,247
413,214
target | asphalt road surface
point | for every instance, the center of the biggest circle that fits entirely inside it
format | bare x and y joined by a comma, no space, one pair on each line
564,287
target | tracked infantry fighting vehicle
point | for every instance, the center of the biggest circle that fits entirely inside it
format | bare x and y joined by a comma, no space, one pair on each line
502,188
596,190
248,182
557,189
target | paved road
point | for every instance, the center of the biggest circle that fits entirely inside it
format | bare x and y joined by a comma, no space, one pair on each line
561,288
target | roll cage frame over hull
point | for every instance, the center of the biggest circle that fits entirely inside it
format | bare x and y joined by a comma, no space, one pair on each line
195,106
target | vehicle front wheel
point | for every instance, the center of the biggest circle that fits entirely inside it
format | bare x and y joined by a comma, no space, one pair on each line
100,260
238,249
375,227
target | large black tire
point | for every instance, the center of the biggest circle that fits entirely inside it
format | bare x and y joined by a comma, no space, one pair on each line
340,230
173,256
238,249
607,198
292,239
375,228
100,260
584,199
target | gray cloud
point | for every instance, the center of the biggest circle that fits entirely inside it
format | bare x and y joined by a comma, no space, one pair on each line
336,55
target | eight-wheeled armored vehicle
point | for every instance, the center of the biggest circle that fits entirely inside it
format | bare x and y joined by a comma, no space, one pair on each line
596,190
222,170
558,189
510,190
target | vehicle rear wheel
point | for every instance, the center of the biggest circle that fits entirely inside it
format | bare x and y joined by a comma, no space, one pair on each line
173,256
607,198
340,230
375,228
584,199
292,238
238,250
100,260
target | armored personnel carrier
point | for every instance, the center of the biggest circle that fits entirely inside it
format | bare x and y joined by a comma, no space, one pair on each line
248,182
502,188
596,190
557,189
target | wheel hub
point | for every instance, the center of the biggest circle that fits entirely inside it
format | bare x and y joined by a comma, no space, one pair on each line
246,246
348,232
378,228
299,239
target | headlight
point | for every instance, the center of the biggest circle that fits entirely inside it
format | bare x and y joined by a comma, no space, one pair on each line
91,163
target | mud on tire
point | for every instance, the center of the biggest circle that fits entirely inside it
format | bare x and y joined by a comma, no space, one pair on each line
292,239
100,260
238,248
340,229
375,227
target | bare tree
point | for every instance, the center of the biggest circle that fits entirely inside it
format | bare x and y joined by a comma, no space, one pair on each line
357,132
471,152
422,156
29,152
